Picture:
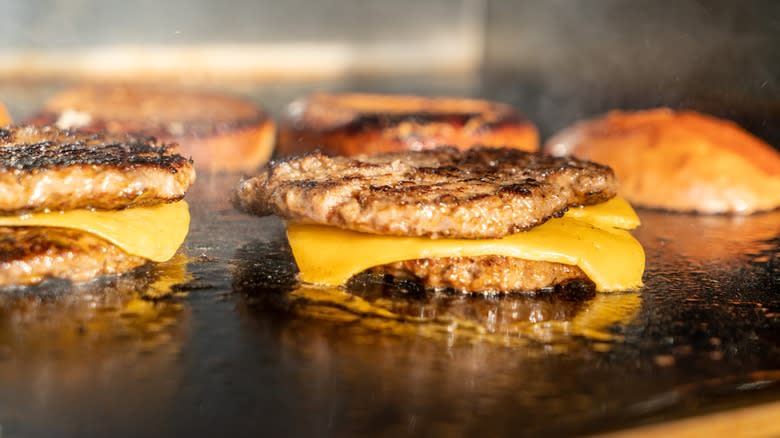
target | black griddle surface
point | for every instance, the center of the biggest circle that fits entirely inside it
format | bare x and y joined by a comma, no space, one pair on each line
223,342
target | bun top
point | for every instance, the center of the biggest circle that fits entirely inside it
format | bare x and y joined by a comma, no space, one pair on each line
678,160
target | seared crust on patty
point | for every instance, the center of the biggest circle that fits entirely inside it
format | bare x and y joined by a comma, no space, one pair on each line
477,193
29,255
220,132
45,168
354,124
486,274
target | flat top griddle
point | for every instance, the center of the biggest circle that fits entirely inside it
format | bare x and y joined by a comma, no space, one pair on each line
222,341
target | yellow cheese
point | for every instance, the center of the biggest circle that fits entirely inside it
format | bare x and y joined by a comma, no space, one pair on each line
609,256
154,232
616,212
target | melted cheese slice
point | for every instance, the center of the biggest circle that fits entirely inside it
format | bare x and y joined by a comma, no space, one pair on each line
590,237
153,232
615,213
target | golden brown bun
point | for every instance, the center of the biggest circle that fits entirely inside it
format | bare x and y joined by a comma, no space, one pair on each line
5,118
353,124
679,160
220,133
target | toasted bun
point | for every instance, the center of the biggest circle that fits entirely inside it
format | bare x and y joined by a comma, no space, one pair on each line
679,160
5,118
353,124
220,133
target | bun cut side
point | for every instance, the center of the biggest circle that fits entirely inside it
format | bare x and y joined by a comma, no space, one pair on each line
355,124
219,132
5,118
678,160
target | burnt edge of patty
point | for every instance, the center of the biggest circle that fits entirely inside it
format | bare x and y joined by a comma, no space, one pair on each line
35,149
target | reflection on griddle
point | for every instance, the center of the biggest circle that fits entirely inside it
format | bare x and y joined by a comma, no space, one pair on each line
265,273
390,355
59,316
65,339
707,238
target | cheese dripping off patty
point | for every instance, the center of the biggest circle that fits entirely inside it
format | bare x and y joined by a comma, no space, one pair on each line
594,238
155,233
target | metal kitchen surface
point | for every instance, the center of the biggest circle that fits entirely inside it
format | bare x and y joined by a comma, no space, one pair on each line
222,341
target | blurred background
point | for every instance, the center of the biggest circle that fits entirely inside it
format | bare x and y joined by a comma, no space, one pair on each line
557,60
234,354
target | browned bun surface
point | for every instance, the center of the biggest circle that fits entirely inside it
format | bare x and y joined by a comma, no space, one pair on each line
678,160
353,124
219,132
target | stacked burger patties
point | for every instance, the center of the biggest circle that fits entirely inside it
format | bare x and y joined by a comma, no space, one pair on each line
77,205
488,220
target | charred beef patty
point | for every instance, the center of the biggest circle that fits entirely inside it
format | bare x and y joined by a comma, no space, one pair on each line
45,168
28,255
481,193
475,194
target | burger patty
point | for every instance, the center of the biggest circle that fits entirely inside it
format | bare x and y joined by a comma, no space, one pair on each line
477,193
29,255
45,168
485,274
